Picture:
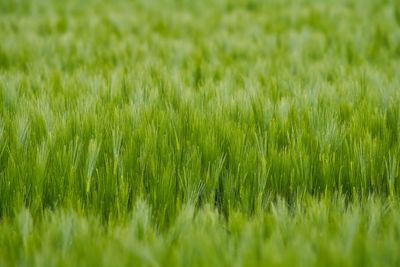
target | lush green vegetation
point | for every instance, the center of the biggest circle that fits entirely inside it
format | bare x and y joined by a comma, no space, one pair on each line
199,133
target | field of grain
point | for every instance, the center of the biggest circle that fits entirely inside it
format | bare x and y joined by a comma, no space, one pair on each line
199,133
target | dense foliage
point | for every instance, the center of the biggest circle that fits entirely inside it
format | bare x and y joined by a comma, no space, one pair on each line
199,133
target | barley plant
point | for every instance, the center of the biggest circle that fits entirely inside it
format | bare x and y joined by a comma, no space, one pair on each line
200,133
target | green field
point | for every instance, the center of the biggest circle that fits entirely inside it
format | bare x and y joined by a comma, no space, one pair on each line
200,133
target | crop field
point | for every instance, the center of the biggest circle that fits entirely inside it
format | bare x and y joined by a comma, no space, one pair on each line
199,133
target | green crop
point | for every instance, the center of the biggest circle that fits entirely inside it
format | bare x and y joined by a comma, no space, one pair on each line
199,133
